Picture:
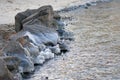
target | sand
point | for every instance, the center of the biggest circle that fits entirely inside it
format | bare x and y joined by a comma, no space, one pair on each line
95,53
9,8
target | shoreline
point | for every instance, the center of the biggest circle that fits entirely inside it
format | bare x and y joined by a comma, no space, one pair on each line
95,52
7,16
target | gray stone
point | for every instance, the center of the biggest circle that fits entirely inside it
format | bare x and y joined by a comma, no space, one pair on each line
5,74
47,54
15,49
34,53
12,62
67,35
17,76
40,59
55,49
38,34
45,14
63,46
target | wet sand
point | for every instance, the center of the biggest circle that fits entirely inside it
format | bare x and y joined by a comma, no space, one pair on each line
95,53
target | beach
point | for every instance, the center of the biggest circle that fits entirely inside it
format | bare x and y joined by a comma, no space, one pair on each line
95,52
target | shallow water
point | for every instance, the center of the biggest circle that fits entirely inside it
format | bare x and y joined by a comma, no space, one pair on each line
95,53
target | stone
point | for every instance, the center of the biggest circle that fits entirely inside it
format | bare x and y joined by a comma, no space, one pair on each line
17,76
40,59
56,16
21,16
34,52
41,47
55,49
12,63
44,14
67,35
63,46
5,74
45,34
15,49
88,4
38,34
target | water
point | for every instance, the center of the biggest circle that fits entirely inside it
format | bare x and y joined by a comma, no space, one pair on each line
95,53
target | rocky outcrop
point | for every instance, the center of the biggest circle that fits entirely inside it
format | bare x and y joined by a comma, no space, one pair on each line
37,39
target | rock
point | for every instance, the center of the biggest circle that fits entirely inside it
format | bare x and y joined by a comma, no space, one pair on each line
34,53
88,4
5,74
38,34
45,14
41,47
40,59
17,76
39,25
15,49
56,16
63,46
21,16
55,49
47,54
12,63
65,34
60,32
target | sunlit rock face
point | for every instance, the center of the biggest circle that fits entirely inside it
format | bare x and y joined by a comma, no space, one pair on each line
5,74
15,49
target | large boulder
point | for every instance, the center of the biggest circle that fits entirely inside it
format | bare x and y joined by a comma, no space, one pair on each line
15,49
45,14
